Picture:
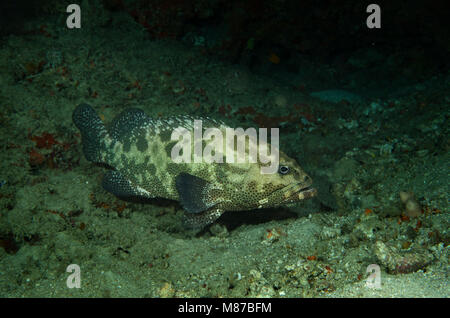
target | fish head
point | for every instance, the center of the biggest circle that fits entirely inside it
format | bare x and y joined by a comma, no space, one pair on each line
288,184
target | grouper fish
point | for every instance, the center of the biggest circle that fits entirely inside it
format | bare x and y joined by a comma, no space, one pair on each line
138,150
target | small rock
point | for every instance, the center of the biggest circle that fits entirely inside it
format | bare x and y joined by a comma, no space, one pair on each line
402,263
412,207
166,291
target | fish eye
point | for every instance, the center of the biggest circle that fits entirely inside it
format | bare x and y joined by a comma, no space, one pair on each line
283,170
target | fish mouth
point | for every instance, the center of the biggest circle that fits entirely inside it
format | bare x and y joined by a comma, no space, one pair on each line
298,192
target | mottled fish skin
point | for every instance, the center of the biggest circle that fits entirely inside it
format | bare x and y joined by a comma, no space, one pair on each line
138,148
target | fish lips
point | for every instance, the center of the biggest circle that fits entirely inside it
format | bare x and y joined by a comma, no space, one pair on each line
298,192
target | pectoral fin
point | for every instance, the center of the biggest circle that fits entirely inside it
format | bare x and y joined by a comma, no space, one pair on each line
200,220
196,195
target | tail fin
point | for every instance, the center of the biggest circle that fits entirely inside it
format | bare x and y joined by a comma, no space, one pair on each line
92,130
